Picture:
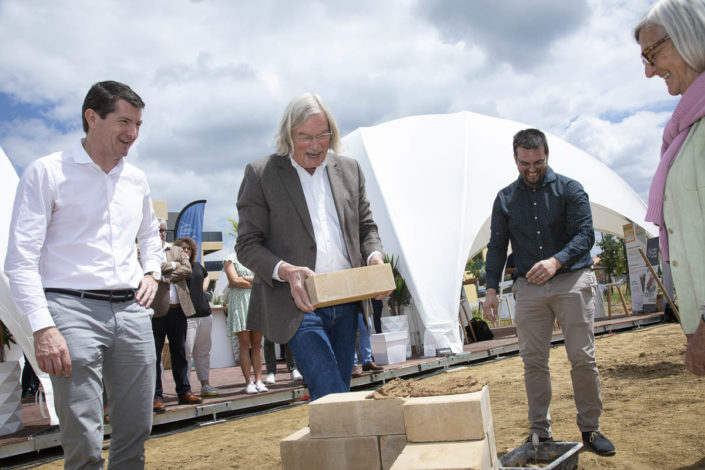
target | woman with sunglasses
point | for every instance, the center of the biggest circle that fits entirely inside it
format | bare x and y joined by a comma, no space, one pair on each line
672,40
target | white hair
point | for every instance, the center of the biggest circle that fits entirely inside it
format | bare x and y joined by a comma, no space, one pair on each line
684,23
297,111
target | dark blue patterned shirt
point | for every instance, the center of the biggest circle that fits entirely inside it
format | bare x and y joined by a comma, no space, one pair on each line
551,220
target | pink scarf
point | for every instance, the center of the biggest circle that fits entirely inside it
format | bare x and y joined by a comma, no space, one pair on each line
690,108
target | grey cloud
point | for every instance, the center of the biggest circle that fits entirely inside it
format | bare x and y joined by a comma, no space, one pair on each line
516,32
203,68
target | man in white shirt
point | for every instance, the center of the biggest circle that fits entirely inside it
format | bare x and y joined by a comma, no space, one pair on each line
74,274
305,210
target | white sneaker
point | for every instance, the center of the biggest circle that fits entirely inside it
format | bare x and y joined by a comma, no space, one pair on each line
270,379
251,388
296,375
260,387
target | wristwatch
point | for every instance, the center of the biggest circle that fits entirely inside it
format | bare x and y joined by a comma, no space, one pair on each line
157,276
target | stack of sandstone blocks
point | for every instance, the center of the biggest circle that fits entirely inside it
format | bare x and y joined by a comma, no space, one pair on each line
349,431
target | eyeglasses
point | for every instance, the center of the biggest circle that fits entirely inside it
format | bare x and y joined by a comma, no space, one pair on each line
186,248
647,55
307,139
537,164
162,230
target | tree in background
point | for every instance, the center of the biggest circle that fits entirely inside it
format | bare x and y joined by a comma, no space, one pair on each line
234,231
476,266
614,255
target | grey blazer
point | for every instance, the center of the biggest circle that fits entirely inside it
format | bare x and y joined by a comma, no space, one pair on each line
275,225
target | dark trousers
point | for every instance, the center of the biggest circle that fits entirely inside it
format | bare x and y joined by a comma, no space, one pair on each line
173,326
377,307
30,381
270,357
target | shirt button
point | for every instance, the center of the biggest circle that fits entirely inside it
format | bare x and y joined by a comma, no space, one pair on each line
670,230
540,248
536,218
534,203
674,263
538,232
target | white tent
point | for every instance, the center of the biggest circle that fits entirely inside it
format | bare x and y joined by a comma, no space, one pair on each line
16,323
432,181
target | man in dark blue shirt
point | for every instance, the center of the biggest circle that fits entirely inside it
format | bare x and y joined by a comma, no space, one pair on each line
547,218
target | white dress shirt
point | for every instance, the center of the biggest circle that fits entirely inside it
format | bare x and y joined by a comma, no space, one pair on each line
331,253
74,226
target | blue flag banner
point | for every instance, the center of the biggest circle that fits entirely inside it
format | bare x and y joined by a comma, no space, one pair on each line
189,223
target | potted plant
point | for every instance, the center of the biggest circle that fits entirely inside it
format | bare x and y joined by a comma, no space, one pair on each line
5,340
398,299
10,387
400,296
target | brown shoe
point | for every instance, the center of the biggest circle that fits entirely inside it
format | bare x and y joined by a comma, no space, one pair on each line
158,406
357,371
189,398
372,367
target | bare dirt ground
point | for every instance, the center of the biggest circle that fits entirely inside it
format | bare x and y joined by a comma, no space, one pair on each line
654,412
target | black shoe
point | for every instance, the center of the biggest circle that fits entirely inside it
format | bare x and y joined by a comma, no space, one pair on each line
541,439
598,443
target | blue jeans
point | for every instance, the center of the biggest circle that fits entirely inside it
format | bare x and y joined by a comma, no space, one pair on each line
324,346
365,341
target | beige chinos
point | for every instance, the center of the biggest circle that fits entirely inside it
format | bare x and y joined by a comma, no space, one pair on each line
568,298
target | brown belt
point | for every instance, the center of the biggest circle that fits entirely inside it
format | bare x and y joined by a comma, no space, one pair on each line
174,305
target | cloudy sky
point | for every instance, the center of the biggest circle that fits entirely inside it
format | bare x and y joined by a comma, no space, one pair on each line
216,76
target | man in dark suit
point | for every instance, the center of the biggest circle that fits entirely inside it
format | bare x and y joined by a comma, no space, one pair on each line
304,210
172,305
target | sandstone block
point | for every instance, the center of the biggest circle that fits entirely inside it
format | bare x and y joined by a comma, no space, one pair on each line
389,449
464,455
300,451
462,417
349,285
350,414
492,445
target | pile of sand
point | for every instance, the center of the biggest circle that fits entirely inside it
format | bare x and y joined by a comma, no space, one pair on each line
449,385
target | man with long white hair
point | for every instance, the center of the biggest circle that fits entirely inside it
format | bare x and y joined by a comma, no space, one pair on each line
304,210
